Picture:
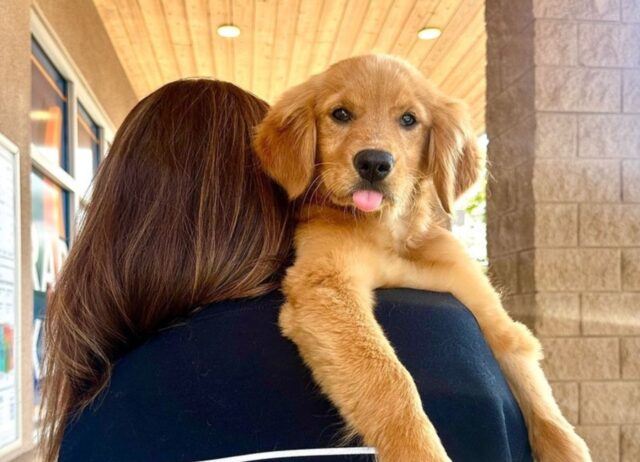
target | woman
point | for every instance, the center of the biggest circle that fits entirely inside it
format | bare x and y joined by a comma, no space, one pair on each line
162,341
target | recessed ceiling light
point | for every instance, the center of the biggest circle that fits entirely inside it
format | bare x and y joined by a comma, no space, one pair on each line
228,31
429,33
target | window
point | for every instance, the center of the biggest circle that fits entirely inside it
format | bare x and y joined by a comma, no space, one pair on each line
48,109
88,150
66,148
50,243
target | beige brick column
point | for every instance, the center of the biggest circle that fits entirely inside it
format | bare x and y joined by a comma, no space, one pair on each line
563,120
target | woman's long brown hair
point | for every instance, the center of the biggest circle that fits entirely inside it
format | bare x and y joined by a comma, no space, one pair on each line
181,215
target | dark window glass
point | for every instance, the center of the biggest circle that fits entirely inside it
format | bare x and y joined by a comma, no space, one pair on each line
50,241
87,155
48,109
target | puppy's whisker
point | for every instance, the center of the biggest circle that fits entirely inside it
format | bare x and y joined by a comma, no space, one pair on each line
311,189
320,164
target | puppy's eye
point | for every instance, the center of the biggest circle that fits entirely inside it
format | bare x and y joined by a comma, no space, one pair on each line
341,115
407,119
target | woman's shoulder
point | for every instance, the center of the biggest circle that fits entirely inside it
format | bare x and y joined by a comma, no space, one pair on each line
227,342
246,327
226,382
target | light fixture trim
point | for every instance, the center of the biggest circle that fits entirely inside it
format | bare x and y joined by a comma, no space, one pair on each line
228,31
429,33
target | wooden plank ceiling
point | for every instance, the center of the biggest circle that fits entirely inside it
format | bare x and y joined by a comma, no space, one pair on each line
282,42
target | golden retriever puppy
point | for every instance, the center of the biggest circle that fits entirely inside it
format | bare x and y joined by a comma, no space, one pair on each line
371,153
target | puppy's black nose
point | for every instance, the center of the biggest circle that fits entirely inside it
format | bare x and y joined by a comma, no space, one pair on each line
373,164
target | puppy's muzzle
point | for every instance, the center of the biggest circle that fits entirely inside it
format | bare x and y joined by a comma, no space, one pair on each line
373,165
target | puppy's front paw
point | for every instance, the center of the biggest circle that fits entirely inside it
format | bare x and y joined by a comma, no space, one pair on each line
557,441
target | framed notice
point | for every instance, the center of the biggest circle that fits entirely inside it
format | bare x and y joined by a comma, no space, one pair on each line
9,295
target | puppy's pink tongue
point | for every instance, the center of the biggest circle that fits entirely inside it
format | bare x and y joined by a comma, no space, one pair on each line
367,201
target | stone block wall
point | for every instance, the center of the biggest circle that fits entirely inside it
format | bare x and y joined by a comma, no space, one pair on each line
563,120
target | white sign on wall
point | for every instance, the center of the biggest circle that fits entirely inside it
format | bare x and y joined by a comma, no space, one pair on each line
9,294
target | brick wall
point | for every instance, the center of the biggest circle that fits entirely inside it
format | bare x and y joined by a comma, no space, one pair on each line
563,119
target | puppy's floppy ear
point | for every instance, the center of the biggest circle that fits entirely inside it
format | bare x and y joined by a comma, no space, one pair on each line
453,158
285,140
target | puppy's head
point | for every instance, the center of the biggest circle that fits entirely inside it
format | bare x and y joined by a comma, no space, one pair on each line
364,133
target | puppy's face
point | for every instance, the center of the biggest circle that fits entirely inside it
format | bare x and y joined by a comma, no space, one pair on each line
372,130
364,133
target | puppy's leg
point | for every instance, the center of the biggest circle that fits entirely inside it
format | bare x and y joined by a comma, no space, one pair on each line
444,266
329,315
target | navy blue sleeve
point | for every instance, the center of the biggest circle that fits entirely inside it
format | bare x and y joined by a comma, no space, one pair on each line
226,383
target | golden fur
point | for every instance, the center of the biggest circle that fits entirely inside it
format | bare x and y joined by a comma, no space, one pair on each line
343,254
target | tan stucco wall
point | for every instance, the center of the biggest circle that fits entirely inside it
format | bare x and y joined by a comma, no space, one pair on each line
15,101
78,26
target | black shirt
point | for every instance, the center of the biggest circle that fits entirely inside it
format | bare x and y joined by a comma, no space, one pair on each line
226,383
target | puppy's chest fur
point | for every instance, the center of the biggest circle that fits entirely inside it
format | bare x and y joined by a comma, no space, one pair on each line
405,231
392,232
